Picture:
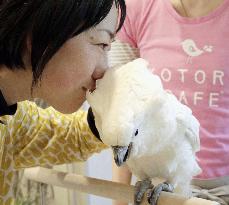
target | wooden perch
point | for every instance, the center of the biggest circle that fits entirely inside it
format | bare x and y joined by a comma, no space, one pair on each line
104,188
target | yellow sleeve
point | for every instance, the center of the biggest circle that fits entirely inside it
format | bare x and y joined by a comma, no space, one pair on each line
47,137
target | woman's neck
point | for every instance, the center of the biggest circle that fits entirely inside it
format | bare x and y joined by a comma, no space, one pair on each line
195,8
15,85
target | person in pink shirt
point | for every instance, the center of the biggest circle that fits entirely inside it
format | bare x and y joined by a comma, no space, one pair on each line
187,44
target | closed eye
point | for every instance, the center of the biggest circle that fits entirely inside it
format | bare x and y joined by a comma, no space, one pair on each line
104,46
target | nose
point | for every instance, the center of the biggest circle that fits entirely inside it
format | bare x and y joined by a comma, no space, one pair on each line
101,67
98,73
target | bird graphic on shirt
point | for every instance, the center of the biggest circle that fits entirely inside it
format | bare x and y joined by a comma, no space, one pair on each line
191,49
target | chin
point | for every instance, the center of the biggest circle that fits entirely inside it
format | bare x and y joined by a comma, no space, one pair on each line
67,108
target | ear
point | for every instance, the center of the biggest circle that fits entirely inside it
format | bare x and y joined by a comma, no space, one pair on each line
27,53
28,45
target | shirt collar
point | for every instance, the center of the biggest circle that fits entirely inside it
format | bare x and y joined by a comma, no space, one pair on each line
4,108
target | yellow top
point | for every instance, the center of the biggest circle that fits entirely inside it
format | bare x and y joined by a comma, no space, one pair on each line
39,137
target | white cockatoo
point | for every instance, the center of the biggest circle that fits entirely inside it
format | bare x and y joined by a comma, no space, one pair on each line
147,127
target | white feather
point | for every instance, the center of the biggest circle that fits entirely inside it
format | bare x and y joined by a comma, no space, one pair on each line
131,98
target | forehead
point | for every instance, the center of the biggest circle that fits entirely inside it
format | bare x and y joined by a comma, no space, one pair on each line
110,22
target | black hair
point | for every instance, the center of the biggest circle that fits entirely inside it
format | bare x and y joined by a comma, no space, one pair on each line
49,24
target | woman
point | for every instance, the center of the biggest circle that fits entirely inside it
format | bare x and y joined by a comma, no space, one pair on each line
54,50
186,43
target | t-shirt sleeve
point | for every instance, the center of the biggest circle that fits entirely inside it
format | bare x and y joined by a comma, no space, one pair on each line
47,137
127,34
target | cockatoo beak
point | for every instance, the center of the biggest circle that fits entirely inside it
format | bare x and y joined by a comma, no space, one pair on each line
121,153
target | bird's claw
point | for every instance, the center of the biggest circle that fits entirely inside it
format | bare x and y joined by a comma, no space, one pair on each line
141,188
154,193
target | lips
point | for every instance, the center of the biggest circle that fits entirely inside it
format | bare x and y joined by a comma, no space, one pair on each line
90,87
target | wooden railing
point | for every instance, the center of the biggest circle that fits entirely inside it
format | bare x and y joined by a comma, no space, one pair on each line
104,188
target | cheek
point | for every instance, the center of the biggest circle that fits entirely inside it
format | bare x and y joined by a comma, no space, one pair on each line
52,80
63,83
67,84
71,70
70,76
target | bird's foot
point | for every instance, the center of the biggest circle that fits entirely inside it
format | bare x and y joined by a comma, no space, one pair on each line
141,187
154,193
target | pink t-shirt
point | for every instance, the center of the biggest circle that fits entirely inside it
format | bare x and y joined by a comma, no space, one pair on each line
192,58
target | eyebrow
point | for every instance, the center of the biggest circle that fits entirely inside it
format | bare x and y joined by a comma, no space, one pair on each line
111,34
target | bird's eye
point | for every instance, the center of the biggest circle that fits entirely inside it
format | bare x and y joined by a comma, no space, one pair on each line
136,133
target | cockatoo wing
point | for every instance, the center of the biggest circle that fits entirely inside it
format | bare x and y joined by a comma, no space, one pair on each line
190,124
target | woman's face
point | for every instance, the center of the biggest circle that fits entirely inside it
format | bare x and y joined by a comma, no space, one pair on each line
76,66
